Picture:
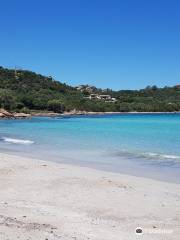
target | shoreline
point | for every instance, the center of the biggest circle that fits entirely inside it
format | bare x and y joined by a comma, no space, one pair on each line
141,172
47,200
9,115
83,113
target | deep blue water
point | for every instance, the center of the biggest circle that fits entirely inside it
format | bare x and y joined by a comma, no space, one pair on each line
141,144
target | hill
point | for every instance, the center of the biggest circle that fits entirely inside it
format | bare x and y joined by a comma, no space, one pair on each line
22,91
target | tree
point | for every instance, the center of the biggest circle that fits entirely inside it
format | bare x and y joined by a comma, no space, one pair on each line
7,100
56,106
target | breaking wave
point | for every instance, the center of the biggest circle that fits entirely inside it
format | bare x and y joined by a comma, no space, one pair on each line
17,141
148,155
161,156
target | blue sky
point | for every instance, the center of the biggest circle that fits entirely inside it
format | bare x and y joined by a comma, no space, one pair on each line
117,44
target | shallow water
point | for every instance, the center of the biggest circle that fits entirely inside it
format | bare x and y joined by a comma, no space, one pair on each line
141,144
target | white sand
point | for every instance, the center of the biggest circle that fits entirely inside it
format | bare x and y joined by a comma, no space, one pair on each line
44,200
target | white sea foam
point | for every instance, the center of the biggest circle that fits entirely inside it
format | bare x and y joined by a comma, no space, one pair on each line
149,155
164,156
17,141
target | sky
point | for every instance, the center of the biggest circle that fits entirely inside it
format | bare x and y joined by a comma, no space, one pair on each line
118,44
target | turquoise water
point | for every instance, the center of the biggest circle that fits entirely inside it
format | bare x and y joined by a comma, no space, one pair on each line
143,145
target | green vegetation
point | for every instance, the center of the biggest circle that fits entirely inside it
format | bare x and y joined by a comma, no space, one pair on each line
22,91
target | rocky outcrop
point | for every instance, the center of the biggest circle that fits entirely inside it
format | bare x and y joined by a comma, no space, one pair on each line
6,114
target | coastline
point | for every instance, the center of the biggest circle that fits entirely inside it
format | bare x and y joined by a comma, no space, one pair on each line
46,200
4,114
84,113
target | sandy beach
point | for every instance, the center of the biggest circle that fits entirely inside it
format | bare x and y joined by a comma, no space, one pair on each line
45,200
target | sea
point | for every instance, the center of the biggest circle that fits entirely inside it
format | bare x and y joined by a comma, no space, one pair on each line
144,145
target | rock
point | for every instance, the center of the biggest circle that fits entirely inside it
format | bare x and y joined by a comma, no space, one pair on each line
45,114
22,115
5,114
